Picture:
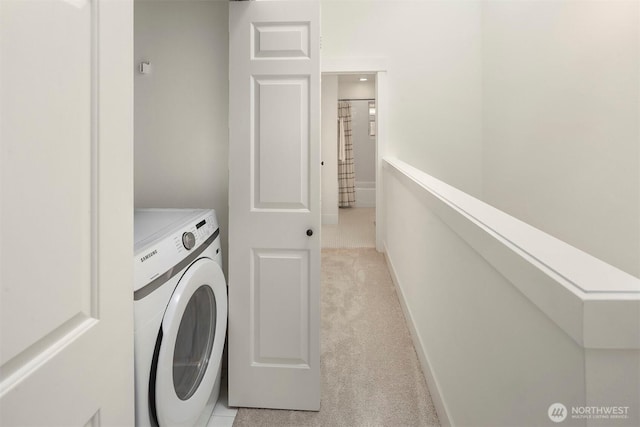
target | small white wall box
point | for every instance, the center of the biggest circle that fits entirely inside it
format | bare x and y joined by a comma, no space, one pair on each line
145,68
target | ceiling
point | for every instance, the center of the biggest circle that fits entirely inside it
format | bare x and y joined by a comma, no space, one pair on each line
350,78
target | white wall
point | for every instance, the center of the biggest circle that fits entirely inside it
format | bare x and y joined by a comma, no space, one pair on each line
501,325
497,359
329,144
561,121
433,51
181,108
531,105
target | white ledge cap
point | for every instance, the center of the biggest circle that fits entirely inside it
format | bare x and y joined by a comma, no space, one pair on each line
594,302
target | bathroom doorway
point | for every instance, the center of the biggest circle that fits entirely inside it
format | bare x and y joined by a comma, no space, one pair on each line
350,158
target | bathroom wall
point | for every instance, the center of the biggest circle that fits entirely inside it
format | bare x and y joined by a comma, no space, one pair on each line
181,106
364,146
561,84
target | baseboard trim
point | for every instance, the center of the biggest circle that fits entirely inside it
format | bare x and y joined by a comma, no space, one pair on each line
432,383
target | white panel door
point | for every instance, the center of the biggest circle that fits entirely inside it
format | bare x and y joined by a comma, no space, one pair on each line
66,271
274,205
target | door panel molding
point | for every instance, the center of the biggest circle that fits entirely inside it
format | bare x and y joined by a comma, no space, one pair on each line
281,153
280,337
281,40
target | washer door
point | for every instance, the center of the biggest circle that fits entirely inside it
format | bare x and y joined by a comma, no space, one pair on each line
194,327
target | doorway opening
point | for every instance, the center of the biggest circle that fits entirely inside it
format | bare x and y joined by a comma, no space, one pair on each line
349,125
352,151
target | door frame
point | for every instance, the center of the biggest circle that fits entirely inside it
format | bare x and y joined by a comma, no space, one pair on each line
377,66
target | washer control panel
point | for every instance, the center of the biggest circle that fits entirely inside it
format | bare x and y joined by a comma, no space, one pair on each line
195,233
167,248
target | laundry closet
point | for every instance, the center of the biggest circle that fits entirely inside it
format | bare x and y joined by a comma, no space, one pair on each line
181,162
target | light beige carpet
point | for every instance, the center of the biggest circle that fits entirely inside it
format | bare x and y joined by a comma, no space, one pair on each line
355,229
370,375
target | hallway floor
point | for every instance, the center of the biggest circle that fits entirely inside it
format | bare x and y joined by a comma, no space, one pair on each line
370,374
355,229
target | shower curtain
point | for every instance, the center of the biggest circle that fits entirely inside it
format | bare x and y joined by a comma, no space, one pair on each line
346,174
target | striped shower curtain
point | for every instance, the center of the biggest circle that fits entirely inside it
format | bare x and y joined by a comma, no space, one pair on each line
346,174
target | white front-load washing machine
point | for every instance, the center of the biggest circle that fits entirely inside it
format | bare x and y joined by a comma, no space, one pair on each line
180,306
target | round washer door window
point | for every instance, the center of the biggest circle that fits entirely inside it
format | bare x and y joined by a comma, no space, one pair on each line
190,353
194,342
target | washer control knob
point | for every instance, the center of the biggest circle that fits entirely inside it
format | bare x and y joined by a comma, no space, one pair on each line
188,240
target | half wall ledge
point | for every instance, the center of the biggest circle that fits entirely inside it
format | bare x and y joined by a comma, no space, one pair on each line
595,303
